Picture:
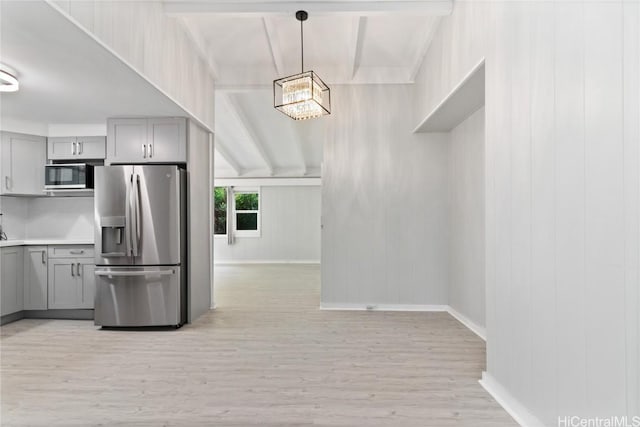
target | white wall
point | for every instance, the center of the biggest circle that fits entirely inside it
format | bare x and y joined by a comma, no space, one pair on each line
47,217
466,216
14,216
562,197
384,202
155,45
60,218
199,168
290,229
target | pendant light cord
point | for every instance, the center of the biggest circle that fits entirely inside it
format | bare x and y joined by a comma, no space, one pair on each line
301,47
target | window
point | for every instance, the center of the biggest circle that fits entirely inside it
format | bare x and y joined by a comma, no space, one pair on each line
244,210
220,210
247,213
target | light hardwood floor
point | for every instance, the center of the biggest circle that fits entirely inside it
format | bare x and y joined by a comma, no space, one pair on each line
266,356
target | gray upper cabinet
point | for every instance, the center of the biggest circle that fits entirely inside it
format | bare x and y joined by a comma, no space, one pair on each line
35,278
76,148
161,140
11,280
22,160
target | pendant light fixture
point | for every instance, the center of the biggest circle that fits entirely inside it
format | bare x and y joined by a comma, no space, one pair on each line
8,82
304,95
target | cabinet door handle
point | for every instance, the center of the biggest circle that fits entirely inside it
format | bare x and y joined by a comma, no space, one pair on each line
80,147
150,150
76,251
78,269
6,182
72,275
73,148
44,261
144,151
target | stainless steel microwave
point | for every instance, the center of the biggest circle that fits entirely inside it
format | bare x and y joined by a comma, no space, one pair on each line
68,176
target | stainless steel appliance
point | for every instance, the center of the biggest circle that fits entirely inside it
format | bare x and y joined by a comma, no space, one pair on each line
140,242
68,176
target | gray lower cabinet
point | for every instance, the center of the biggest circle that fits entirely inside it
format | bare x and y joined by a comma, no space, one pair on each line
71,281
11,280
35,278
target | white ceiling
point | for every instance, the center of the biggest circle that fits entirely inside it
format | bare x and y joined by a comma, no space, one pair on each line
249,43
65,75
68,77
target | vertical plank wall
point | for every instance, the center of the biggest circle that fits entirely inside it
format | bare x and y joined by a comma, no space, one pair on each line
154,44
466,219
384,203
562,196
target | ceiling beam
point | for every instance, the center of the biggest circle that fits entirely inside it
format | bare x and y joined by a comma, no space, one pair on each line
359,28
223,150
274,47
429,33
426,7
239,115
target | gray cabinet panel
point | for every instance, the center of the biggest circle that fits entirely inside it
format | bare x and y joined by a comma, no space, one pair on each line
161,140
35,278
60,148
126,140
11,280
76,148
91,147
167,140
71,283
22,160
86,282
62,284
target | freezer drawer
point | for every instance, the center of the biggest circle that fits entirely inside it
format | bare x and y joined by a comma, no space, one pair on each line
139,296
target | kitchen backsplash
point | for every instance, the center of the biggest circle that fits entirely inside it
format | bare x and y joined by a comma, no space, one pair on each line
14,216
47,217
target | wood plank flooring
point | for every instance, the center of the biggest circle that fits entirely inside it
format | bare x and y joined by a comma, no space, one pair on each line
266,356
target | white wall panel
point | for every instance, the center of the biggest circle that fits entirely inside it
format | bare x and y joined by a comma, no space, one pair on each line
156,45
631,135
466,215
290,228
199,220
14,216
384,202
60,218
604,209
562,190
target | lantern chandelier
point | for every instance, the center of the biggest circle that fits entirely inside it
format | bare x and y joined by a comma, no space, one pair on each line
304,95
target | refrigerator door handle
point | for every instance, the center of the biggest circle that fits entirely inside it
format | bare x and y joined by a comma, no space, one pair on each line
136,216
127,218
135,273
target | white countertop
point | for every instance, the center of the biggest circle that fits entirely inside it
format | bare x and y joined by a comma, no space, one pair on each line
41,242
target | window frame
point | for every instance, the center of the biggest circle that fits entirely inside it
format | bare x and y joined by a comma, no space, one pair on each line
246,233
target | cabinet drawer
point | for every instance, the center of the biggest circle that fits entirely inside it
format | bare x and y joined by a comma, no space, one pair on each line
71,251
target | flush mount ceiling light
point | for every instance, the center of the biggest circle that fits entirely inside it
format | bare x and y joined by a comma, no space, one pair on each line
302,96
8,82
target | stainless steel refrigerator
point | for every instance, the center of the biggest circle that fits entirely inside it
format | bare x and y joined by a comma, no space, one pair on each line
140,245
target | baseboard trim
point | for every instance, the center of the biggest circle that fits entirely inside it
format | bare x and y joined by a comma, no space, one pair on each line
381,307
267,261
514,408
470,324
